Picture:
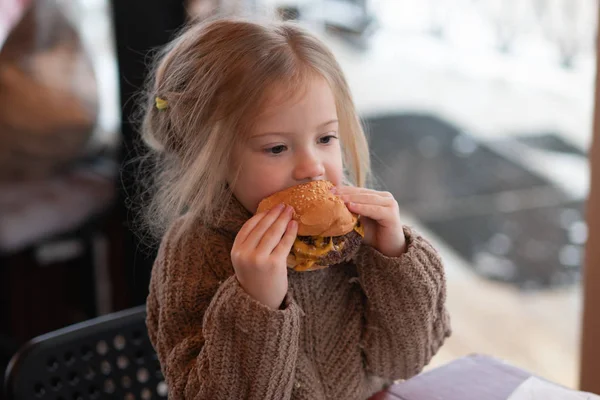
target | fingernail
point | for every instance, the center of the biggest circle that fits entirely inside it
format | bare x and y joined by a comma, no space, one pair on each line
289,209
333,189
280,206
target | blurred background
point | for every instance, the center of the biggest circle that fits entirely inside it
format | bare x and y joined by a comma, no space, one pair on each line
479,114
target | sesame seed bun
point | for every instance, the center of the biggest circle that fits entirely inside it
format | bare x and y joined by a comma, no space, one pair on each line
317,211
328,233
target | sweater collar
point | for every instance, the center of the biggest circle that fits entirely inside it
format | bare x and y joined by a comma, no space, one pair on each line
231,216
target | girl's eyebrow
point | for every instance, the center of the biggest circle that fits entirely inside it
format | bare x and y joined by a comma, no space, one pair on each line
327,123
324,124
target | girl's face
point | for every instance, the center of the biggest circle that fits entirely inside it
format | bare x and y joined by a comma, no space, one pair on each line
292,142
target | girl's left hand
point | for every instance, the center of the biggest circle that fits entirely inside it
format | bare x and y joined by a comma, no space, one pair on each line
380,216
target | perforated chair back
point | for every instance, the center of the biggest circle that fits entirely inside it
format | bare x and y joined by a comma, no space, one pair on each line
106,357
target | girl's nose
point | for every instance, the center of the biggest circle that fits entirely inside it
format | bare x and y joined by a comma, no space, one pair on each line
308,167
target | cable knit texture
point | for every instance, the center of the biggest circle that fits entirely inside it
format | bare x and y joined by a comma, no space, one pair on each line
342,333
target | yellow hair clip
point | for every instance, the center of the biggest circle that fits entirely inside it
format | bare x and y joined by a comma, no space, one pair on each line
161,104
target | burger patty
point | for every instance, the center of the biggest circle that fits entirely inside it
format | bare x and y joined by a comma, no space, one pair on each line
310,240
351,240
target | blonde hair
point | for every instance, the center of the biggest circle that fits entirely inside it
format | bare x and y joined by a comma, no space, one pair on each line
214,77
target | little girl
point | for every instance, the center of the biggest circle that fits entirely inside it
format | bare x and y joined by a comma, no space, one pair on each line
237,111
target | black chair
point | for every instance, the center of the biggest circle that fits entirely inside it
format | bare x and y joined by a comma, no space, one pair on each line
106,357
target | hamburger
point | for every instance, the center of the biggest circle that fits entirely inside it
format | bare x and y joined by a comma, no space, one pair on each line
328,233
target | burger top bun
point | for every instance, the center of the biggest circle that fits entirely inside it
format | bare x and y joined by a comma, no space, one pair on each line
317,211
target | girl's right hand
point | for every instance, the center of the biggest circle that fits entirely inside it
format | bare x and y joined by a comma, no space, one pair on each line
259,254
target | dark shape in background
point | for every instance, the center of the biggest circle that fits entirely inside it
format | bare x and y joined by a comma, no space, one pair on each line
140,28
509,223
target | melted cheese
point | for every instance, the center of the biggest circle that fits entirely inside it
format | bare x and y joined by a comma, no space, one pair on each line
360,230
306,255
305,265
316,251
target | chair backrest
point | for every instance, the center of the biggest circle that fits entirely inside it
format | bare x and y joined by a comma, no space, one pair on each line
106,357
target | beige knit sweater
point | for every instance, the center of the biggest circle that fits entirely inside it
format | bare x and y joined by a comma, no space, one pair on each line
343,331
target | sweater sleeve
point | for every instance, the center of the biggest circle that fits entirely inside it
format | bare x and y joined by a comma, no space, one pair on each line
212,339
406,319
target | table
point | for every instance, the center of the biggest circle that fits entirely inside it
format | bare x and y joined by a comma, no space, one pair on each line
475,377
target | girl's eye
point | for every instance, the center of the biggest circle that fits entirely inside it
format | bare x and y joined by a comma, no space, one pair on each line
277,149
327,139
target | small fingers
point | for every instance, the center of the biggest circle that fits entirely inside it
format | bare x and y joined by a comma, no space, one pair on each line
286,242
375,212
342,190
254,237
248,227
276,231
368,198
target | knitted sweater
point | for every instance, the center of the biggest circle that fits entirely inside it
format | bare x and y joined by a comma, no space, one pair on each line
342,332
